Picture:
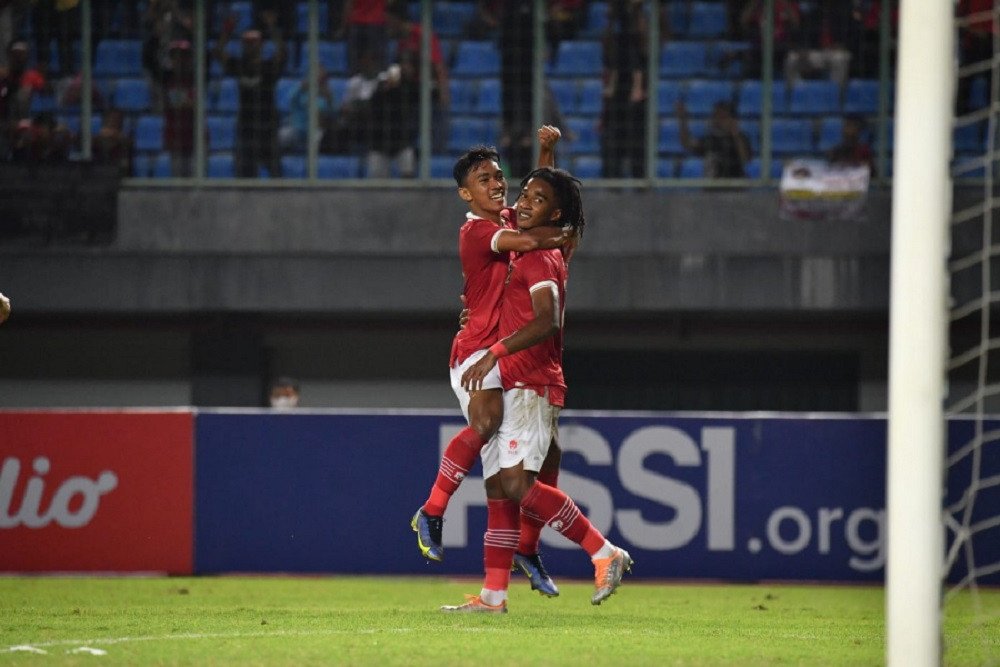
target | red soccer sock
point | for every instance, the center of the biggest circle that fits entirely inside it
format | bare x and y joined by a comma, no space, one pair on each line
531,527
555,508
502,528
456,462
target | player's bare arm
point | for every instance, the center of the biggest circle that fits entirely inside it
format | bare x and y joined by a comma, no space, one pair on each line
4,308
544,325
526,240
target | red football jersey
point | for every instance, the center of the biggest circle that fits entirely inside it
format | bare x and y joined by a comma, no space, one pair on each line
484,270
539,367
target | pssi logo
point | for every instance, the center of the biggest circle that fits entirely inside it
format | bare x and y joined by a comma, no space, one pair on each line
73,505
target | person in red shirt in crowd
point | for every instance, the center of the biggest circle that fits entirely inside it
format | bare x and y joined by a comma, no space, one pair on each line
486,241
177,83
787,21
530,361
364,24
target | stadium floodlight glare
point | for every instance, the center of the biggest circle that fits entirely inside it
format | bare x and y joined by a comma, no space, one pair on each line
921,206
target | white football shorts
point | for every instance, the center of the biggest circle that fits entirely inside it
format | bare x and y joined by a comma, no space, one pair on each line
491,381
530,424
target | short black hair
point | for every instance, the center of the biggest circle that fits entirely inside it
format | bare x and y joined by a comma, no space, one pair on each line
470,159
567,189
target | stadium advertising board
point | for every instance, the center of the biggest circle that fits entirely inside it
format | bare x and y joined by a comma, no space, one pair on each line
701,497
96,491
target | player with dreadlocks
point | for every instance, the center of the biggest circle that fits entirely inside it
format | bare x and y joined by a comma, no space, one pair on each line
529,353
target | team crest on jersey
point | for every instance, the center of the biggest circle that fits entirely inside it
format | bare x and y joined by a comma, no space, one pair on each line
512,445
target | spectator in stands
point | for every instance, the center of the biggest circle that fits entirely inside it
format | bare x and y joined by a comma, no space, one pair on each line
11,16
284,394
787,18
71,92
111,144
18,84
165,22
41,140
410,35
294,135
725,147
176,82
257,119
59,20
364,25
852,150
355,112
485,23
564,20
626,89
827,33
395,120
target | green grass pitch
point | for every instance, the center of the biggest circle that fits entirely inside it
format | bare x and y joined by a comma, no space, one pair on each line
395,621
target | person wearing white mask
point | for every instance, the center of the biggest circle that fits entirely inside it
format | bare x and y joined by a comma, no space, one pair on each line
284,394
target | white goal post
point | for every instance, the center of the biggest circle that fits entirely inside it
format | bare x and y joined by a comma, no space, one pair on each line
918,337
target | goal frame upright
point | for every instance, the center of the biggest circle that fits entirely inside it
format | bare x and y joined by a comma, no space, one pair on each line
918,332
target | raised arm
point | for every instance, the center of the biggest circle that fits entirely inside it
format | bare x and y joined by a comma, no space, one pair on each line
544,325
548,137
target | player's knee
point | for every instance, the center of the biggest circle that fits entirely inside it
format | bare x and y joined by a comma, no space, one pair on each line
515,485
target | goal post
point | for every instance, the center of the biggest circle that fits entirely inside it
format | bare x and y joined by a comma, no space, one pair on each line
918,328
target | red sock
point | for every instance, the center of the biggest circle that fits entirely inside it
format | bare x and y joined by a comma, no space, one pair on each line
499,542
555,508
531,527
458,458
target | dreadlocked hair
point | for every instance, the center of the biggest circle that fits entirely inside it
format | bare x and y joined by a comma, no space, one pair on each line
470,159
567,189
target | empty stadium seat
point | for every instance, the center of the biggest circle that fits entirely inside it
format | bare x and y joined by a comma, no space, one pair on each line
131,95
302,18
464,131
476,58
42,103
668,93
814,98
707,20
591,97
566,94
227,99
488,97
691,167
294,166
578,58
332,56
221,132
586,137
753,168
968,138
830,131
750,98
220,165
702,95
861,96
118,57
338,166
665,168
670,137
596,21
284,91
450,18
463,94
149,133
442,166
791,135
151,165
683,59
725,58
587,166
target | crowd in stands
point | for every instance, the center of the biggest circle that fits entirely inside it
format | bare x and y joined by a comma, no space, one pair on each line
598,84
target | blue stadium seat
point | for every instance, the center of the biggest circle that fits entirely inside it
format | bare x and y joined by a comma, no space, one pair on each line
665,168
151,165
221,132
442,166
587,166
338,87
463,93
670,137
968,138
725,58
586,136
228,98
814,98
241,11
861,96
591,97
791,136
753,168
464,131
142,165
596,21
332,56
149,133
968,166
566,94
43,103
751,128
161,166
667,95
302,18
488,97
679,60
132,95
293,166
702,95
72,121
831,129
284,91
476,59
118,57
450,18
978,93
750,98
708,19
578,58
220,165
677,13
338,166
691,167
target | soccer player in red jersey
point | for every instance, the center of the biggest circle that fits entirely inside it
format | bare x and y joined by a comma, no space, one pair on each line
530,361
486,241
